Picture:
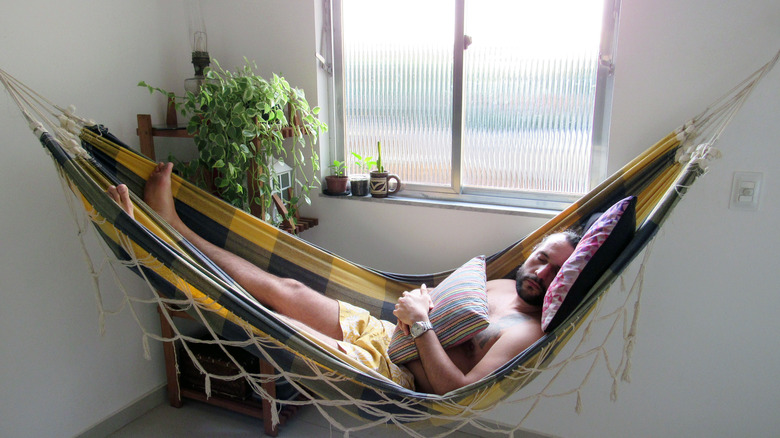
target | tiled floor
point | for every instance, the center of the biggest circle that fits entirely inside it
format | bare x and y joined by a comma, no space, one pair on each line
196,420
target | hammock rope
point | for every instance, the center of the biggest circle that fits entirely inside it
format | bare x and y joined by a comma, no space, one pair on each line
180,279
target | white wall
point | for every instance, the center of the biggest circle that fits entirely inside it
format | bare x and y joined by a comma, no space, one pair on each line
58,375
705,364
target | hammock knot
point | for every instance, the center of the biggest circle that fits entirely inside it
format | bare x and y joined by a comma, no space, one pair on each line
70,142
686,131
700,155
36,127
69,124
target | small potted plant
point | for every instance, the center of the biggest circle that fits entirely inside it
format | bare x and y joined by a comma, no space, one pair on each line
338,180
359,182
380,178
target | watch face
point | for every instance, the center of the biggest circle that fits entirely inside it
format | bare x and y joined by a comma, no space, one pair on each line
418,328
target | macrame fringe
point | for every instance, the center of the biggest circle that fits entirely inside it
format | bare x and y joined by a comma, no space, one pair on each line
147,350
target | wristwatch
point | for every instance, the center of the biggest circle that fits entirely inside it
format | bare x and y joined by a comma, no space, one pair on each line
420,327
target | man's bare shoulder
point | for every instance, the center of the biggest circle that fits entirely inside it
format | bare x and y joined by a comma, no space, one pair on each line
501,284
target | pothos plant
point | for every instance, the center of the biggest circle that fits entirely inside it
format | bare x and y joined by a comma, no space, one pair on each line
237,122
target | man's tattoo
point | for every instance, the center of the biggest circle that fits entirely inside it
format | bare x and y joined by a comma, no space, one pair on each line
493,331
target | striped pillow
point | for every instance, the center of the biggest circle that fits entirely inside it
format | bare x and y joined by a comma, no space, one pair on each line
459,311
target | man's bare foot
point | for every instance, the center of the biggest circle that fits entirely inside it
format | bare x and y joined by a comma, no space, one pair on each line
158,195
121,195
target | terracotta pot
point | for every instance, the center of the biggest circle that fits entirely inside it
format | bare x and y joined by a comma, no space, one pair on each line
336,185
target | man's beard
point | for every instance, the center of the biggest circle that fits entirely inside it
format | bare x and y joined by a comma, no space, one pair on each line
529,294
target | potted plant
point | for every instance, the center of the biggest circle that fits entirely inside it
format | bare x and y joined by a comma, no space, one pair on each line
380,178
337,181
239,124
359,182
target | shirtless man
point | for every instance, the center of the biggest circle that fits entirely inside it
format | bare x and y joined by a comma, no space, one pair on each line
514,305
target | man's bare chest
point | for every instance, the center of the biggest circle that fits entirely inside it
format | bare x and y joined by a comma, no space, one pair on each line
468,354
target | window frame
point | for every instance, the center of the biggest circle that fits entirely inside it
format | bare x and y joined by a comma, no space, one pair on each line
456,192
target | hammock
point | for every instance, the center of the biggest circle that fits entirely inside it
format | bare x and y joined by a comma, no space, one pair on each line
183,279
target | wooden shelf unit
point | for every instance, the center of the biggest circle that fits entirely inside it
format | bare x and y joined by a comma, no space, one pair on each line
177,393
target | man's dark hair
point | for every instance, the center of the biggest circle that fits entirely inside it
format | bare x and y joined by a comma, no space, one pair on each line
572,236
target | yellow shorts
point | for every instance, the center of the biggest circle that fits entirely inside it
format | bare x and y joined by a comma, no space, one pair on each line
366,340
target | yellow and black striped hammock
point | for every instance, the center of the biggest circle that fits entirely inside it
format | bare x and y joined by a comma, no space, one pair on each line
184,279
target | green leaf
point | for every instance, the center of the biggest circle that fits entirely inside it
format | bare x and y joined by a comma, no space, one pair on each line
248,91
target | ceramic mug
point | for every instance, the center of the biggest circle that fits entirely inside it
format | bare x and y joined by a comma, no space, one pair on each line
380,184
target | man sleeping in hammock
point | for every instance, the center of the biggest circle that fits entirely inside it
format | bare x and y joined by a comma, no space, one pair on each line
514,307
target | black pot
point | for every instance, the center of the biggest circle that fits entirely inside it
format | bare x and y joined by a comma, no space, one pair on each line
359,185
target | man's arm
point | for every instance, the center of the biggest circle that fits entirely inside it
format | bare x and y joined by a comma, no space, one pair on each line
442,374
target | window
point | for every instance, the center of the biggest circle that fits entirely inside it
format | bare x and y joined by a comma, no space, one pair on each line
514,115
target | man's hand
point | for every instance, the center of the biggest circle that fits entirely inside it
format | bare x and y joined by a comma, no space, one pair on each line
412,307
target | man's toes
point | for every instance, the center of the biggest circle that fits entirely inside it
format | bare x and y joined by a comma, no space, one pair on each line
124,194
112,192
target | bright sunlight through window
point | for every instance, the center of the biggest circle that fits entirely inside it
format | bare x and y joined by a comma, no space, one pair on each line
527,88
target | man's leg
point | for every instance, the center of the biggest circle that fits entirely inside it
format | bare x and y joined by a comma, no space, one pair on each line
287,296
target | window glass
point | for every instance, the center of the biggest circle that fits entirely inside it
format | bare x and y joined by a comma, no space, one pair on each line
525,89
529,92
398,85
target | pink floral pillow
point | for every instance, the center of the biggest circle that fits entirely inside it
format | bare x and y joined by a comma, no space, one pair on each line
595,253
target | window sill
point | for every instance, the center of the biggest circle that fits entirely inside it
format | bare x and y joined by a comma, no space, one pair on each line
451,205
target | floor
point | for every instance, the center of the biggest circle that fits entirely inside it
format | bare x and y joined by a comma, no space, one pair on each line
197,419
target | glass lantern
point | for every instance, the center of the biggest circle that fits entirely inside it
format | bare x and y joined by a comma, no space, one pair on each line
199,46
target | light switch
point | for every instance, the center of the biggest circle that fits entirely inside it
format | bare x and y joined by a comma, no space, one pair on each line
745,190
